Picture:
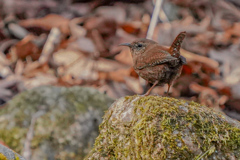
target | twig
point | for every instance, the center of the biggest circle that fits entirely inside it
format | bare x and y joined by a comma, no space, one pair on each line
155,15
7,44
50,45
27,144
163,17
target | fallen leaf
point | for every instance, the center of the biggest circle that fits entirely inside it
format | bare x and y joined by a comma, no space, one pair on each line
107,65
76,64
48,22
76,29
19,68
197,58
207,96
125,57
112,12
39,79
134,85
118,75
106,27
26,47
83,44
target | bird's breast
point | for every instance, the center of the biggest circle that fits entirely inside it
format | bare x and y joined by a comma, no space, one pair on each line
163,73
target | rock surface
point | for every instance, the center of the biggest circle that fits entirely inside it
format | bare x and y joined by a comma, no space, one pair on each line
8,154
53,122
154,127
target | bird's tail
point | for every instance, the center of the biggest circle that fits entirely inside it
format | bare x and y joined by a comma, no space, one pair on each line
176,45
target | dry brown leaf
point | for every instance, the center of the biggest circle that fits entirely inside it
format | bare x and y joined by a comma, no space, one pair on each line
19,68
9,81
26,47
235,29
98,40
106,27
109,90
30,67
83,44
197,58
120,89
198,89
68,80
118,75
77,30
5,71
125,57
217,84
134,85
223,99
230,63
5,94
3,59
207,96
221,87
107,65
112,12
132,28
83,69
76,64
66,57
48,22
40,79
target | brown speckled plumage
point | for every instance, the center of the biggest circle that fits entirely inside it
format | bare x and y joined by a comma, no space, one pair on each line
157,64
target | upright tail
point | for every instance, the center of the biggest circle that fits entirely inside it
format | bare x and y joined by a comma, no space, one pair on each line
176,45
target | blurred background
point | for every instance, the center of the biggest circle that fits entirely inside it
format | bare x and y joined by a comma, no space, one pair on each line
75,43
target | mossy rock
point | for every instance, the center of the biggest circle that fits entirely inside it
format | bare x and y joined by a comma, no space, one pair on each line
66,121
160,128
8,154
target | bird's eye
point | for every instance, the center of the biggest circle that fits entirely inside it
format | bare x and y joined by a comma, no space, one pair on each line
139,45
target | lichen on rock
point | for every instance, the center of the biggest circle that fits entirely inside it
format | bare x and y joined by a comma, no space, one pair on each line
8,154
67,127
153,127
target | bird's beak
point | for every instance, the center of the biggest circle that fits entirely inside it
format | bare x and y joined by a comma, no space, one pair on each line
125,44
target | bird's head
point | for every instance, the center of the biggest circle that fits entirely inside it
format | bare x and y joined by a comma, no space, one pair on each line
138,46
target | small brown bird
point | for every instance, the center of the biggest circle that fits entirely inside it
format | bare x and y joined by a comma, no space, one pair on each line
155,63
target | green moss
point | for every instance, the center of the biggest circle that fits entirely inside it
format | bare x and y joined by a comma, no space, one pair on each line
2,157
12,137
16,157
165,128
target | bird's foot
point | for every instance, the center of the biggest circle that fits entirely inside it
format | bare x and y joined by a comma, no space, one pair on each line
167,94
146,94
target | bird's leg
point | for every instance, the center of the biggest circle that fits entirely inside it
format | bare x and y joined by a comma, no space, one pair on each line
169,86
150,89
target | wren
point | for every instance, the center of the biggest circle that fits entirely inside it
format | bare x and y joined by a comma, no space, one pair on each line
155,63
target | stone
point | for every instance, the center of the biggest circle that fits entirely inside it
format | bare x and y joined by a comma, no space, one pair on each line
164,128
8,154
53,122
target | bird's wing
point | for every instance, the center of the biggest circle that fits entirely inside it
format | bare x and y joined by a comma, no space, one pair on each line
154,56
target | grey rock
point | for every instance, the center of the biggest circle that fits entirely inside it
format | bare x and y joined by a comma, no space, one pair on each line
60,123
163,128
8,154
